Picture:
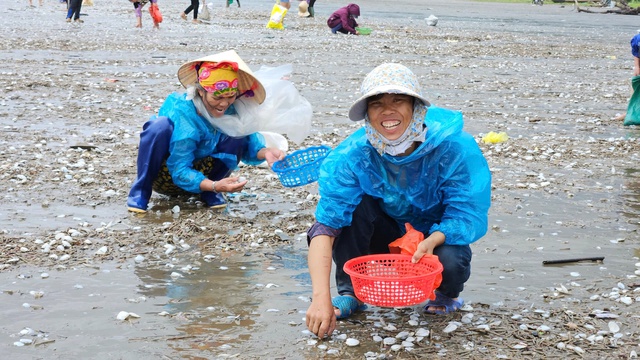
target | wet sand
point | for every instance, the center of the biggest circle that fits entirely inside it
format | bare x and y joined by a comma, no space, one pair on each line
564,183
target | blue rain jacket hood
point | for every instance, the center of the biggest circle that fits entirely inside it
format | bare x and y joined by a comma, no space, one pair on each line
443,185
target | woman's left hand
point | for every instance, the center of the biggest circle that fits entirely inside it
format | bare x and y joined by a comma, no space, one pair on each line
427,245
271,155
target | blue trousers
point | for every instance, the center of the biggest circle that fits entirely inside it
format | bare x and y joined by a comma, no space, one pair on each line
337,28
371,231
153,151
74,9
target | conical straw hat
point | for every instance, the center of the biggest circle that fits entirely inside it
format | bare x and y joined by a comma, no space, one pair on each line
246,80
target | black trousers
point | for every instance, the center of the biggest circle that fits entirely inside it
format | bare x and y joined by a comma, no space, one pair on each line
74,9
372,230
195,5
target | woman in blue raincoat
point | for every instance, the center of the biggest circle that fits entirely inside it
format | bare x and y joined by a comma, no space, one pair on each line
198,139
411,163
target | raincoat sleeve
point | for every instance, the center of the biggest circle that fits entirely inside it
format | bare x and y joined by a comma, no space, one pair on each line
180,162
349,25
340,190
255,143
466,192
347,22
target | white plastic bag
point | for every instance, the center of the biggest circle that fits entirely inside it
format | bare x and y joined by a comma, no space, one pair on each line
274,140
204,12
284,111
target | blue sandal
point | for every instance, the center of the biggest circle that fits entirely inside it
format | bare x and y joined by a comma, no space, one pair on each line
444,301
347,305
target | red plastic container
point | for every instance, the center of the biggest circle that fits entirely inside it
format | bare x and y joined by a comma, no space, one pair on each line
392,280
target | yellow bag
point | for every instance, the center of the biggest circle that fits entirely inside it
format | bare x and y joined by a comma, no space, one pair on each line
87,2
494,138
277,16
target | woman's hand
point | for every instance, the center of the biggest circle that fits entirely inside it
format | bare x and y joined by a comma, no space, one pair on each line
321,316
427,245
271,155
230,184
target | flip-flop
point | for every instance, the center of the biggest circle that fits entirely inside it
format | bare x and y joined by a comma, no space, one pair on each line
444,301
347,305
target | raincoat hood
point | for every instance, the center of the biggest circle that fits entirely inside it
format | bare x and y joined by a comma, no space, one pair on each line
354,10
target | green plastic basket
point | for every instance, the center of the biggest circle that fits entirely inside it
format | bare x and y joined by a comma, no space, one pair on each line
363,30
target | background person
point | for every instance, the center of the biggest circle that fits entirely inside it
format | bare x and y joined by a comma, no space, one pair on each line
285,3
137,9
343,20
635,51
632,115
311,10
73,12
411,163
195,4
184,150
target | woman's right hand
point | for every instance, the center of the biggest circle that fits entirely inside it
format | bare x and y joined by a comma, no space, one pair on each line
230,184
321,316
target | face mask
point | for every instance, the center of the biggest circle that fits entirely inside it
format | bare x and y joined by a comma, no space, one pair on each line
415,132
237,125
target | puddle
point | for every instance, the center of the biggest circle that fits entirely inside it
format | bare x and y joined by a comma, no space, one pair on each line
241,306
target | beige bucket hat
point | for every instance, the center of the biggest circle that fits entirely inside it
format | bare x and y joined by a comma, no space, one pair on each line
246,80
387,78
303,9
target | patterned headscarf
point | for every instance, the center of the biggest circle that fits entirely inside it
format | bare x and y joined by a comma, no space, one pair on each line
218,78
416,131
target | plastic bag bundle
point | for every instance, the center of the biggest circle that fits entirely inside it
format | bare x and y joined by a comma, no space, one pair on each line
494,138
408,243
284,110
204,13
154,11
633,109
277,17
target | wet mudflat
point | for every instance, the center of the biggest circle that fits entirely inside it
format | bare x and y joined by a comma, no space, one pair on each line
233,284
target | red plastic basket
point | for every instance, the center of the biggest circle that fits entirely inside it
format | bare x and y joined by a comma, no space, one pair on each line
392,280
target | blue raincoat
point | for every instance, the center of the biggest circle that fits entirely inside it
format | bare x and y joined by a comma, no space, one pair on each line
195,138
635,46
444,185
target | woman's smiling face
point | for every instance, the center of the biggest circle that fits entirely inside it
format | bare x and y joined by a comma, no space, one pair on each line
390,114
217,105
